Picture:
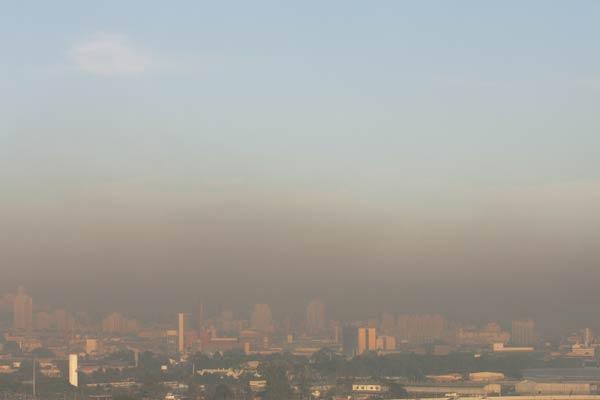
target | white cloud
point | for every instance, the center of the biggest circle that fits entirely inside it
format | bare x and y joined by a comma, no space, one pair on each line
111,55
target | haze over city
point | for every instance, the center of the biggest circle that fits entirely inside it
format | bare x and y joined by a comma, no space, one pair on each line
420,158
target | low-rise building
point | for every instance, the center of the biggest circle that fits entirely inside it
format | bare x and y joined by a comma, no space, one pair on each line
258,385
445,378
528,387
486,376
502,348
370,388
579,350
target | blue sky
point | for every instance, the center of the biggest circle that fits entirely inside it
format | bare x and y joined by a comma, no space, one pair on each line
387,103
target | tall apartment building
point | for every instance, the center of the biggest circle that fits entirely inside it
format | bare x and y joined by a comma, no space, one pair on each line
73,377
523,332
261,319
421,328
349,340
316,322
22,311
199,315
367,340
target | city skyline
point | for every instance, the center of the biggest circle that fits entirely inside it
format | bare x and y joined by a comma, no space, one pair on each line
85,352
18,312
273,200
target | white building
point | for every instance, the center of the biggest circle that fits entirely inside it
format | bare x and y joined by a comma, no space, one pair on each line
501,348
369,388
73,370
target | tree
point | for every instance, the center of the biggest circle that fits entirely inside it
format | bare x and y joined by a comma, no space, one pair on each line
223,392
278,386
42,352
398,390
305,378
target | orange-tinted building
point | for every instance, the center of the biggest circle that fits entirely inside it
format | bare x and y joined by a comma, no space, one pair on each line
367,340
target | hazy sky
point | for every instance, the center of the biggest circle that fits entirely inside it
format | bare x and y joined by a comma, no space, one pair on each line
421,151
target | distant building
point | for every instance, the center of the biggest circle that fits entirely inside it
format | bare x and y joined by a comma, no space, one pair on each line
335,329
73,378
99,397
555,388
22,311
225,321
113,323
257,386
579,350
370,388
523,332
455,377
386,343
316,322
388,323
434,390
442,349
588,337
421,329
502,348
349,340
91,346
486,376
261,319
63,321
367,340
490,333
200,316
43,321
181,333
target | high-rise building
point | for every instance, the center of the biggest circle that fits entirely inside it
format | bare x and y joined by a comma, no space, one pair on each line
225,321
335,329
73,378
113,323
388,323
523,332
181,333
63,321
199,316
262,319
43,321
421,328
491,333
7,302
349,340
588,337
386,343
22,311
316,322
362,341
132,326
367,340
